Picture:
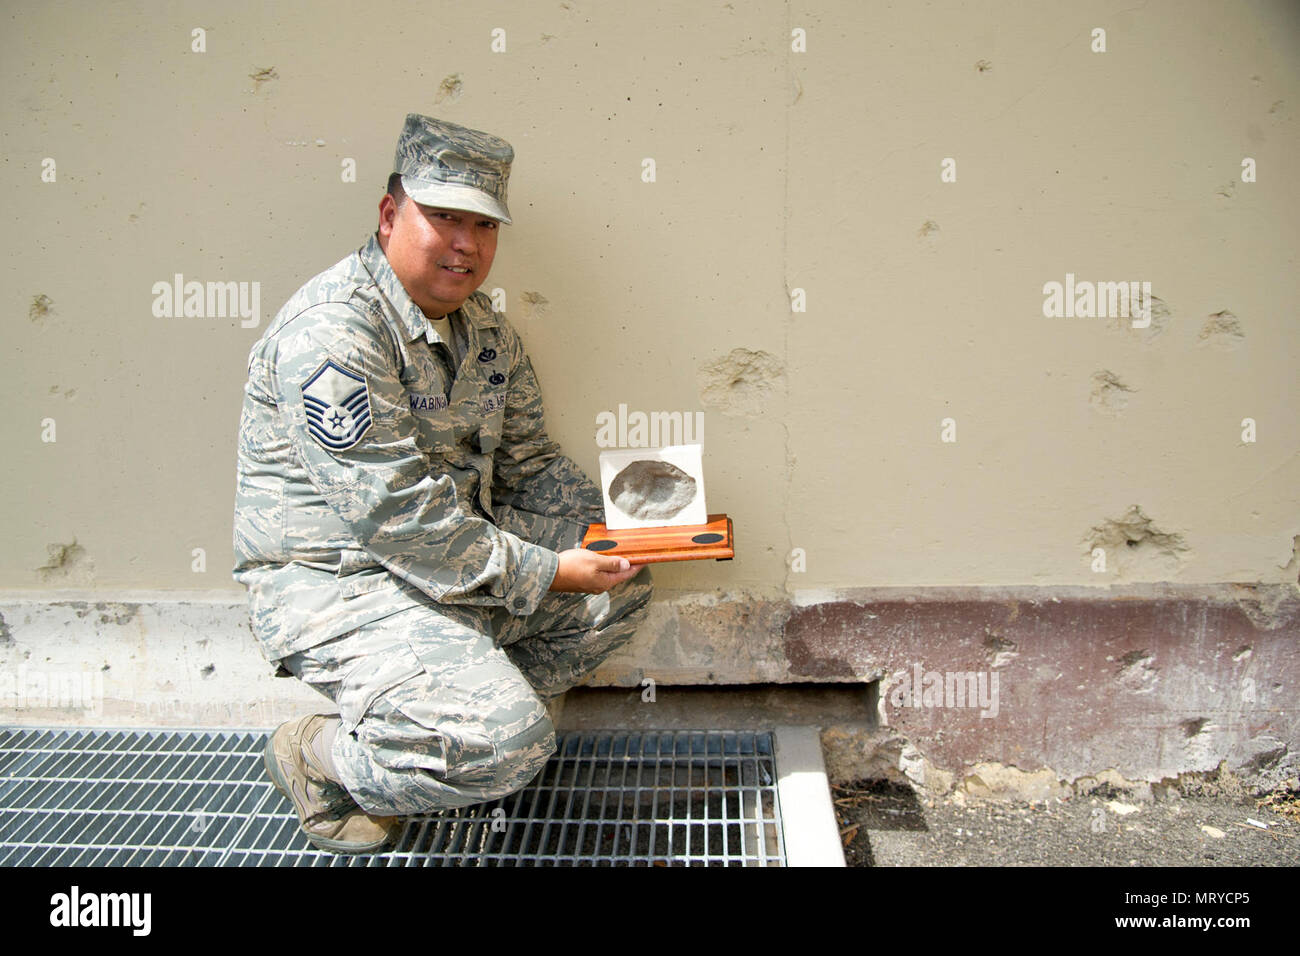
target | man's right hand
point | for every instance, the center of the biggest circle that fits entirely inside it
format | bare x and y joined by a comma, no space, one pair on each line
590,572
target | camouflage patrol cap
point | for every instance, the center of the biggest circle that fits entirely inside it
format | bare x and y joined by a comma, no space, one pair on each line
443,164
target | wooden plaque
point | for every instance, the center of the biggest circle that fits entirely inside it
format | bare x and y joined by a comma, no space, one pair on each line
672,543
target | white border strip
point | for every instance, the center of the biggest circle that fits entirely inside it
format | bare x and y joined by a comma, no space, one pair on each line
812,836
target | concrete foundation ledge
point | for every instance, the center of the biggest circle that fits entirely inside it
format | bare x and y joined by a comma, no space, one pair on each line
1144,681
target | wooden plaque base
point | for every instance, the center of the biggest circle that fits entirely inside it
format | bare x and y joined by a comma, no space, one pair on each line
673,543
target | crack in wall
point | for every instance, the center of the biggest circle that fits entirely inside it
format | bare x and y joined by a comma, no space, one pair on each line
1134,546
40,307
262,75
451,88
1160,316
1222,329
741,382
67,563
1109,394
535,304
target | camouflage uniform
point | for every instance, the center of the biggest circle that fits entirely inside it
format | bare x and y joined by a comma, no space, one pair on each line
397,524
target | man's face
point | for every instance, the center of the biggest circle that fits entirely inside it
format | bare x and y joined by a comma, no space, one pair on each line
425,244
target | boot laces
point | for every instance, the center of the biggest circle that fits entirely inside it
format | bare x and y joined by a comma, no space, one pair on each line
338,803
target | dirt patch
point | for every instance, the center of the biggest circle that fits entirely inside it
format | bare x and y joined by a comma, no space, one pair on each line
1203,823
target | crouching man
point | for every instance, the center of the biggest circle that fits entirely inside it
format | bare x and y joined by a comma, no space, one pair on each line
408,533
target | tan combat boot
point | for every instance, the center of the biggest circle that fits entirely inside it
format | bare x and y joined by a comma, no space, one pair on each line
327,815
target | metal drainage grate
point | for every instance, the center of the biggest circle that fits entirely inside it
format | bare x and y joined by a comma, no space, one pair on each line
187,798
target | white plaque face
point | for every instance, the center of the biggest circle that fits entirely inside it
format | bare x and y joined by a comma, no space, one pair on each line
653,487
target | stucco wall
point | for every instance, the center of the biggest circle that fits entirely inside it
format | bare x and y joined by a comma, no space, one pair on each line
776,171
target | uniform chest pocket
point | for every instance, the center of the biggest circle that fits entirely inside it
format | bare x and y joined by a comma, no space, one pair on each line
426,398
489,433
437,430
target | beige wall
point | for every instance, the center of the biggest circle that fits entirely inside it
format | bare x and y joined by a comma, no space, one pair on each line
776,170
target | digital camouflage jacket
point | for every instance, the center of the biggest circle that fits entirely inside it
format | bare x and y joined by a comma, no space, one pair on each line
370,480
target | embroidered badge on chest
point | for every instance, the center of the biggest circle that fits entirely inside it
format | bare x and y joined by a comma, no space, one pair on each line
337,401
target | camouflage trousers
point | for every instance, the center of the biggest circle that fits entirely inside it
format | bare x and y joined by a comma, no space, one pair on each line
444,705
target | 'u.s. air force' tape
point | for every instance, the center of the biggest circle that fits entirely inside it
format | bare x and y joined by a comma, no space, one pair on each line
338,406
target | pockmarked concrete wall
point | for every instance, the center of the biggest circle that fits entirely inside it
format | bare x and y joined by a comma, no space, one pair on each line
968,297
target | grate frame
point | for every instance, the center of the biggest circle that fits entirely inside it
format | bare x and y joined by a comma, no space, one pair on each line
200,797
